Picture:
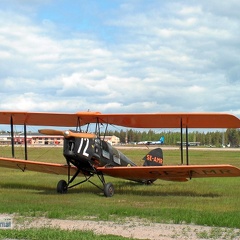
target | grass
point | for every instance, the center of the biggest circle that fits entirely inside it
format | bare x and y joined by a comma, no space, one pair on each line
48,234
209,201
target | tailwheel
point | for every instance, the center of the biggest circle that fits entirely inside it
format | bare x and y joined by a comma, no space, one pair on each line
108,190
62,187
149,182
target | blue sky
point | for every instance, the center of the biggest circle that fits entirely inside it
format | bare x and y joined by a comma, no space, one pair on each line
120,56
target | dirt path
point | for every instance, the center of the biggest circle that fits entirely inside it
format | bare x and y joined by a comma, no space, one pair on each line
134,228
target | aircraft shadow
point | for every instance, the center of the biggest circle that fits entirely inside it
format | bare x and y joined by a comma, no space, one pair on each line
20,186
151,190
121,188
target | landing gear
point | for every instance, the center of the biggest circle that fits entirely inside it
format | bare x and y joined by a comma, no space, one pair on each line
108,190
62,187
149,182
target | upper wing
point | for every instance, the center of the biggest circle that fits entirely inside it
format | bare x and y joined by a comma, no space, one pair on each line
172,120
47,119
53,168
174,173
149,120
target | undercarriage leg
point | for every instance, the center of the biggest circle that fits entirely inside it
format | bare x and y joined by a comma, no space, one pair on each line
108,188
63,186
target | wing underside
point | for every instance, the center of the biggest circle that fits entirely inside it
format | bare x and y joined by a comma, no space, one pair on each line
135,173
171,173
23,165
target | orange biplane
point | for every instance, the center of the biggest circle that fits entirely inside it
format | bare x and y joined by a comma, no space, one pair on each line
87,154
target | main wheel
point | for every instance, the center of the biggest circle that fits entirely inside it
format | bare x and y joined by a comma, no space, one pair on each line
62,186
108,190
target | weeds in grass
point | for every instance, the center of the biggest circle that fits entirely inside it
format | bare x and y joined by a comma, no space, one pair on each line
217,233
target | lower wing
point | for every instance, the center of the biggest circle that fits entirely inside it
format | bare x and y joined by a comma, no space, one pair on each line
171,173
53,168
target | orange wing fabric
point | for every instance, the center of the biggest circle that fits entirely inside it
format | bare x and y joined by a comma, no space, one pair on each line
144,120
26,165
172,120
47,119
172,173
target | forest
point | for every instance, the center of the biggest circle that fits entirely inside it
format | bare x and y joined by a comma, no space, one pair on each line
229,137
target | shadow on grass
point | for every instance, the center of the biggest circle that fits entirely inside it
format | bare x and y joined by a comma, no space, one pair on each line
25,186
121,188
139,189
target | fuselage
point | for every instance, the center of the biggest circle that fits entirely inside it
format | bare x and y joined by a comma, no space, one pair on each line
88,153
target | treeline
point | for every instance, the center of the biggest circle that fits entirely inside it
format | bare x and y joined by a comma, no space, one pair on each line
229,137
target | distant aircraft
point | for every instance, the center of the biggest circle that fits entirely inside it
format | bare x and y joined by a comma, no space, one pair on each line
87,154
189,143
161,141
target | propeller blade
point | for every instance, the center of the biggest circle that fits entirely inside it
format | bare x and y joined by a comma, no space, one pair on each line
51,132
67,134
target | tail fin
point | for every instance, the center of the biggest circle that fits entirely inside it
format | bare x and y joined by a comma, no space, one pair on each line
154,158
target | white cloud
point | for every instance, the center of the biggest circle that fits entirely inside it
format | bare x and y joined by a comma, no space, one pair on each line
190,10
152,60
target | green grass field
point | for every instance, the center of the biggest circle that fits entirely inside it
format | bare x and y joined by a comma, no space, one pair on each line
49,234
209,201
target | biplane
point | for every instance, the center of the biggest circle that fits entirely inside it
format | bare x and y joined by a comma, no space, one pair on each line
87,154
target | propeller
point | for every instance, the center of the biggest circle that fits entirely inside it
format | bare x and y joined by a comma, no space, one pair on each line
67,133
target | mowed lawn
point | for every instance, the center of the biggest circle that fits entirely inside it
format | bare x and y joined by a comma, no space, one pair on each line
209,201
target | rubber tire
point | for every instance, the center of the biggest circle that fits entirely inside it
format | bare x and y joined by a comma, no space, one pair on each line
62,187
149,182
108,190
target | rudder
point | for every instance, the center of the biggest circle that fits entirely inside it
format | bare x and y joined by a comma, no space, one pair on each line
154,158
